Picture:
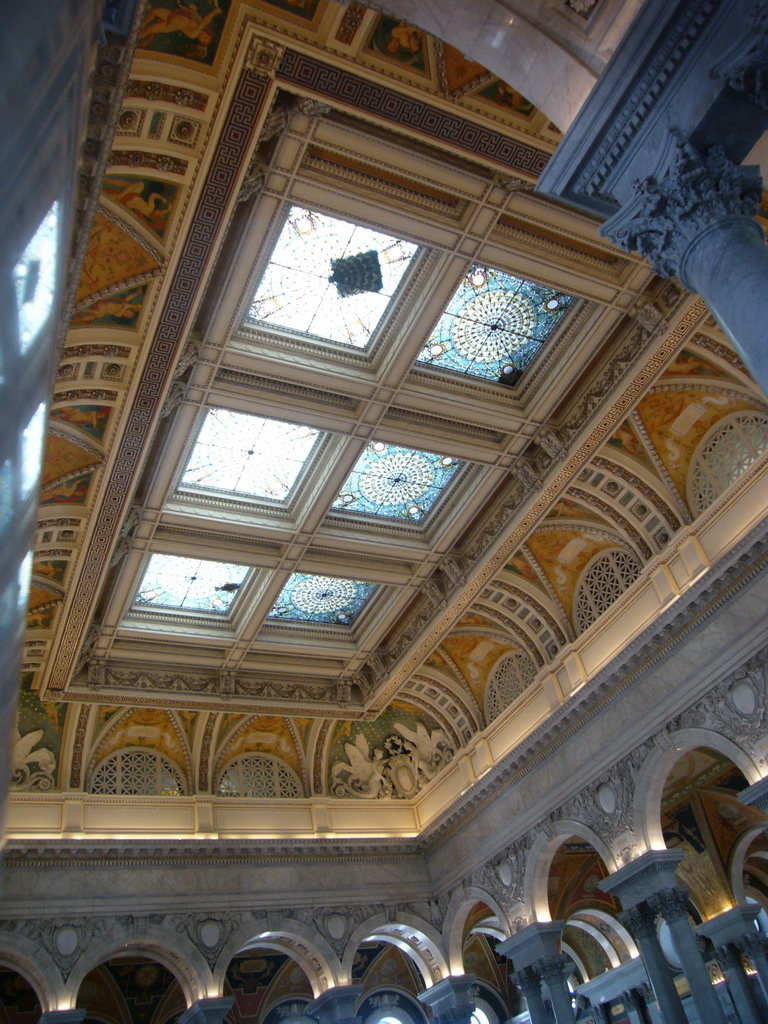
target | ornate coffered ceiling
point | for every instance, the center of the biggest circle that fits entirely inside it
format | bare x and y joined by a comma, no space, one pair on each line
225,126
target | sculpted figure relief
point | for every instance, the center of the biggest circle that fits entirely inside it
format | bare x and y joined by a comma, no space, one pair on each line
31,769
406,763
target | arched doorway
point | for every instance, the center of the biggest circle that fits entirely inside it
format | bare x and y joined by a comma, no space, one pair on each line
19,1002
130,989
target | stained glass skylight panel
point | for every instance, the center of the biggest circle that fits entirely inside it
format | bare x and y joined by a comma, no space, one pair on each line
318,277
190,584
494,325
331,599
244,454
395,483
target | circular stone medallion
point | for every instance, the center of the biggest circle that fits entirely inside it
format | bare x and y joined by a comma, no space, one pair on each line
210,931
504,871
606,796
66,940
336,925
744,698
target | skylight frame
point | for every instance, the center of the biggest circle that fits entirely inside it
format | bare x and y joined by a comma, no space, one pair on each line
235,579
252,325
202,495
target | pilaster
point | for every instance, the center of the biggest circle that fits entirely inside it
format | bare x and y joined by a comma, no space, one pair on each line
336,1005
207,1011
452,1000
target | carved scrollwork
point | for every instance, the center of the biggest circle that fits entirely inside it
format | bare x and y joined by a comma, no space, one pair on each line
670,213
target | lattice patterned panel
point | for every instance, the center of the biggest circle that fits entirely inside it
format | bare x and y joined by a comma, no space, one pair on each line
603,582
137,772
724,455
511,677
259,776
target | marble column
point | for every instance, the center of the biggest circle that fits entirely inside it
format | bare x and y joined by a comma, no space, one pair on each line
63,1017
207,1011
729,932
538,947
629,976
528,980
729,958
641,922
453,999
697,221
755,948
336,1005
634,1004
554,972
672,904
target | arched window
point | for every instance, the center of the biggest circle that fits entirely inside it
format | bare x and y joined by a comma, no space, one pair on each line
259,775
723,455
510,678
137,771
603,581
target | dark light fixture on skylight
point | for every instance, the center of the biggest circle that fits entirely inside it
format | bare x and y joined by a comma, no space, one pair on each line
329,278
330,599
190,584
494,325
244,454
395,483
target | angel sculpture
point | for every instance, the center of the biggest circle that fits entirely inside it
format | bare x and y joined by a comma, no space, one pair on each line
364,774
429,752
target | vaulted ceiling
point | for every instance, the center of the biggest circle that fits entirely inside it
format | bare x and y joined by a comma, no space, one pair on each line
424,551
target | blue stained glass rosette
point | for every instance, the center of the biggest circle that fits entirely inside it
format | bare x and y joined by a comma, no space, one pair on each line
395,483
310,598
494,325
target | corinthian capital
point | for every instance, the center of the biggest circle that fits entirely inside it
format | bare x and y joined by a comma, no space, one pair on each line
669,213
528,980
639,920
555,968
672,904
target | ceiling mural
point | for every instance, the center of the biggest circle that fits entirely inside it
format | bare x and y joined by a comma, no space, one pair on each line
475,657
112,258
264,734
143,727
573,883
150,201
702,817
260,979
190,32
333,429
676,421
382,965
131,988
